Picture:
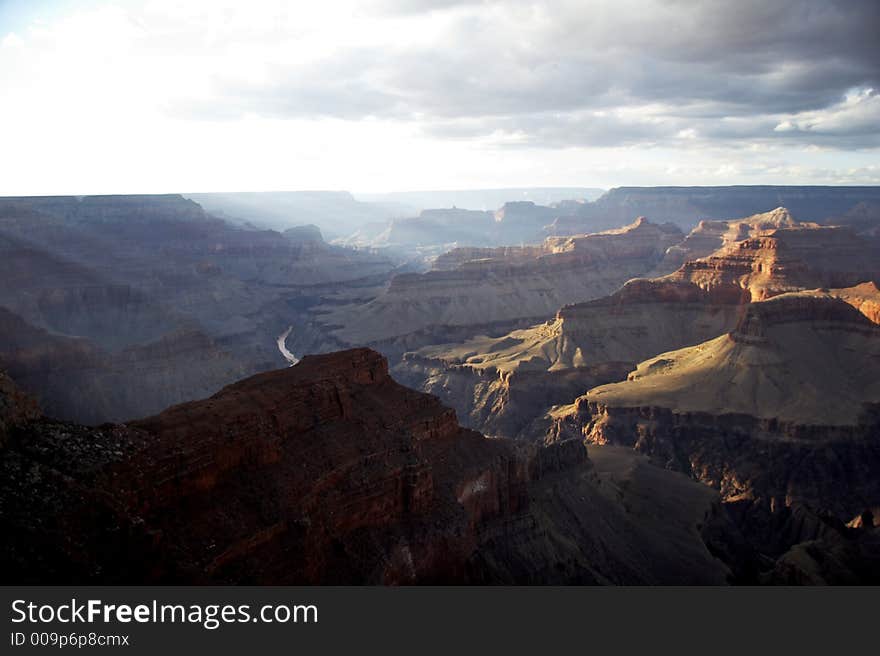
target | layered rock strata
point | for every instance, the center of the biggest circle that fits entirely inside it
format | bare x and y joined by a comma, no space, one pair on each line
784,410
505,284
502,385
115,307
325,472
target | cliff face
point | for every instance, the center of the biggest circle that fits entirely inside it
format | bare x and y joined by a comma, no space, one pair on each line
108,209
782,410
686,206
501,385
523,221
512,223
145,301
710,236
438,227
505,284
75,377
788,259
453,259
326,472
865,298
497,402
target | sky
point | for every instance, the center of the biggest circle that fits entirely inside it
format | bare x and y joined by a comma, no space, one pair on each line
161,96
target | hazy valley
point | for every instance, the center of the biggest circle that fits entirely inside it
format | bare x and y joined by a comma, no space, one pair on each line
655,386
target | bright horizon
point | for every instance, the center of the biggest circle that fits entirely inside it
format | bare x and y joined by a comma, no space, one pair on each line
104,97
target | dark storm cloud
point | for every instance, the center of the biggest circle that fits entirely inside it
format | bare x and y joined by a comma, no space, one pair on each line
620,73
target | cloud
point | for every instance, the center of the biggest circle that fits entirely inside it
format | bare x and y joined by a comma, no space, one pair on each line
521,92
563,73
855,119
11,40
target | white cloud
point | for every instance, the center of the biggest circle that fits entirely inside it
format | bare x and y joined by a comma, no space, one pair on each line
393,94
857,114
11,40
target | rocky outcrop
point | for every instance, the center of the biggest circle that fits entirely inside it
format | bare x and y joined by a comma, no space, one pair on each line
505,284
453,259
501,385
783,410
782,417
710,236
502,403
512,223
865,298
107,209
325,472
787,259
146,301
75,378
438,227
686,206
518,221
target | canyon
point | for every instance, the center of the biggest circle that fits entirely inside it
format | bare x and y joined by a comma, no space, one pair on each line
146,301
686,206
782,411
132,287
787,259
709,236
637,404
330,472
482,286
503,384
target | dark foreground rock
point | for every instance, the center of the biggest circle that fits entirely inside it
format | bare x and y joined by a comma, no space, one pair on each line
328,472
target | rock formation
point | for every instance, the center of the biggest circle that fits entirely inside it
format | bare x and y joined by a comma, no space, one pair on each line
788,259
710,236
145,301
74,377
749,374
485,199
505,284
438,227
784,409
782,416
686,206
501,385
304,233
865,298
330,472
514,222
336,213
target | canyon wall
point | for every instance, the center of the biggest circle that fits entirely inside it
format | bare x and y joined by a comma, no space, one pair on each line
325,472
784,409
504,384
118,306
686,206
505,284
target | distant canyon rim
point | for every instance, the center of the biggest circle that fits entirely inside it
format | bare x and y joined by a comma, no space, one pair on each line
651,385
